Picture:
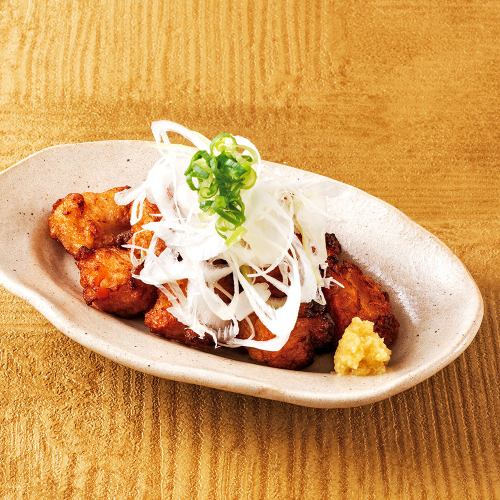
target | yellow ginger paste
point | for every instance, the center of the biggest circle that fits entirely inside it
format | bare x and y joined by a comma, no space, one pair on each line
361,351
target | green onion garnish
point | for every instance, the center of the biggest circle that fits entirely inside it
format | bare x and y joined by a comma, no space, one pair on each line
219,177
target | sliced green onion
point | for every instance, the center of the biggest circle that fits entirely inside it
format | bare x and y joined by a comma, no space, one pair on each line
219,177
245,271
223,142
235,236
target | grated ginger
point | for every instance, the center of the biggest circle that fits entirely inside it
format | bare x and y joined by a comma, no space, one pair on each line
361,351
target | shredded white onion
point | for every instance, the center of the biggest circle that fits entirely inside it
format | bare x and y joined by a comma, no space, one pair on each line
277,207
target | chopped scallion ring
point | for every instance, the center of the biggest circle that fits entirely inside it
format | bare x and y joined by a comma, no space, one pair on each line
219,177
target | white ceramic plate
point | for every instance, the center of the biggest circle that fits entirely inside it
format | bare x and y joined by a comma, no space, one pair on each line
434,297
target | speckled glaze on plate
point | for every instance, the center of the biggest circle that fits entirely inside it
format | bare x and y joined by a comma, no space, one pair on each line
434,297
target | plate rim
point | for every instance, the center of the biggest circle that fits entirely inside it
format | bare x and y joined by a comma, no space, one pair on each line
235,383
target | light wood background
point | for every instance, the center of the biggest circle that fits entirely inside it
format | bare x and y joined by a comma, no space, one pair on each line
397,98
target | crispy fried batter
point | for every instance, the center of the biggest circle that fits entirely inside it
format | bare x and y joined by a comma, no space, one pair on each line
227,284
333,248
143,238
106,278
123,238
313,332
91,220
160,320
361,296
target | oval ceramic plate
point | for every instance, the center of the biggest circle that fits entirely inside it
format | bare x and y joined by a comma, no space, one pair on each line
434,297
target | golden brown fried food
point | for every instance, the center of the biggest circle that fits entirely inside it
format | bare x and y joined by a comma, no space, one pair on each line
313,332
106,278
91,220
160,320
333,248
143,238
361,296
227,284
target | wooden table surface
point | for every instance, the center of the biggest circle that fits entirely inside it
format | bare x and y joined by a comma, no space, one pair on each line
397,98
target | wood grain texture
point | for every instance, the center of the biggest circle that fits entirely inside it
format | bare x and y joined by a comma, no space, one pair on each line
398,98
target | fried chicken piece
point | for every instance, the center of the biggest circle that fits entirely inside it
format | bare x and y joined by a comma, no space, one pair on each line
313,332
91,220
361,296
159,320
333,249
227,284
150,213
108,285
123,238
